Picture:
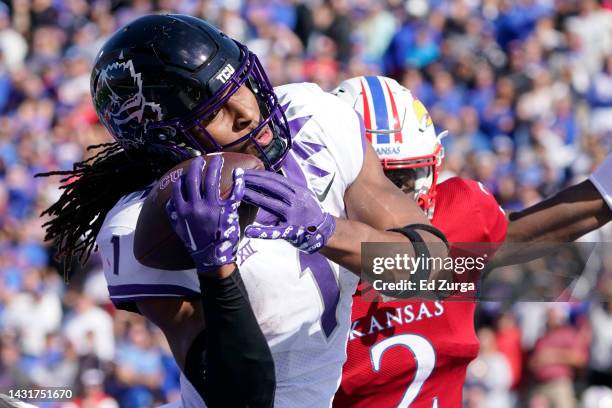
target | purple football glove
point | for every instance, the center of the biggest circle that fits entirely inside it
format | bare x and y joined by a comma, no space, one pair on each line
293,211
207,225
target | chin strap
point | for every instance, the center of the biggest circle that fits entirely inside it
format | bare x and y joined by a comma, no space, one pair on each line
427,203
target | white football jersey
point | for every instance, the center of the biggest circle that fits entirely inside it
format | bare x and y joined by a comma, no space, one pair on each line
302,302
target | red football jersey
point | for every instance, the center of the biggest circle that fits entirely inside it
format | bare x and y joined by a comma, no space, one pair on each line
415,353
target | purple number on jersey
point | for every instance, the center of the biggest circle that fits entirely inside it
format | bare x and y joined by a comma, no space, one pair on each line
328,287
116,246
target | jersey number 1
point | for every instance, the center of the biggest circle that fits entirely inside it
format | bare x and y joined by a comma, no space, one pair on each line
115,238
115,242
328,287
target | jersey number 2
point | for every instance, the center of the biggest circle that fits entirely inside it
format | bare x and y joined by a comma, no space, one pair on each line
424,356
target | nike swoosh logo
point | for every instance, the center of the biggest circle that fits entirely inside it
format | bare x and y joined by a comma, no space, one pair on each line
192,243
321,197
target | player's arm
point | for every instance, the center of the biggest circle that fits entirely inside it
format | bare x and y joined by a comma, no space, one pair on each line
226,359
374,205
229,361
564,217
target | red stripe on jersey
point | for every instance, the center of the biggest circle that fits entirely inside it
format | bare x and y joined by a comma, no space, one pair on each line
396,122
366,113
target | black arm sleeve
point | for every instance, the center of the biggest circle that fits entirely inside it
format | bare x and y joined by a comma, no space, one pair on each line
230,363
420,249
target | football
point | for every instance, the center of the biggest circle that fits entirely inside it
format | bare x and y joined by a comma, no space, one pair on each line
155,243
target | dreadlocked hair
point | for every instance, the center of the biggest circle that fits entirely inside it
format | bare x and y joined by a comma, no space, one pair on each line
91,189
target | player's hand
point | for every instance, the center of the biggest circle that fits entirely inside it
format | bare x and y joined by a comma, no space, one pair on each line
294,213
207,225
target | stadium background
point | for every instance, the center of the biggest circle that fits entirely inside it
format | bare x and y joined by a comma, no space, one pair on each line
524,87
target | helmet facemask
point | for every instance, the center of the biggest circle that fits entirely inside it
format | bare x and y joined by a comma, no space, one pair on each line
418,176
251,74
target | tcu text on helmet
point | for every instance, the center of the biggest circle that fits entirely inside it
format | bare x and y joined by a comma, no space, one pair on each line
226,73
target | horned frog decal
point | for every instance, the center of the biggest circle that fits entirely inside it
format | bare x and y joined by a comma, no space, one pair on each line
126,115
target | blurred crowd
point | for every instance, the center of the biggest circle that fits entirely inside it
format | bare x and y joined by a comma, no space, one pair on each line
524,88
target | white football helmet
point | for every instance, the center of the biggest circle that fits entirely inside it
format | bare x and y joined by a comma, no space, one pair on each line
401,131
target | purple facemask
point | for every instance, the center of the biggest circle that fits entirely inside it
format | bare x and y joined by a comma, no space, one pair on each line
251,73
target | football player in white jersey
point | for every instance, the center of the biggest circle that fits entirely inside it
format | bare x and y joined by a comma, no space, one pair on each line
173,87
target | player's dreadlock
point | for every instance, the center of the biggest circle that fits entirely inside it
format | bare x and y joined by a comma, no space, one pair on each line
91,189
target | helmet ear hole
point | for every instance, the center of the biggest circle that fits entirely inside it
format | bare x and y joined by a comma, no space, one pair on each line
163,134
168,136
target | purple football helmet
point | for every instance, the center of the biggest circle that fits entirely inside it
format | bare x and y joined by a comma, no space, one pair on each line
157,80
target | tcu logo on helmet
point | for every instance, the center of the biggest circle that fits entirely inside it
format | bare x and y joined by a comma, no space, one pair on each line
125,114
226,73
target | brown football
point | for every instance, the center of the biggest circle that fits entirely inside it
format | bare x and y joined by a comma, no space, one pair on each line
155,243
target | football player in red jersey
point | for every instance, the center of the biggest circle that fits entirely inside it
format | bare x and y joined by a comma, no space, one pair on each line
415,353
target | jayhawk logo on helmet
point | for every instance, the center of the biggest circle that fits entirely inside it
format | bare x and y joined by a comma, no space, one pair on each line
422,116
400,130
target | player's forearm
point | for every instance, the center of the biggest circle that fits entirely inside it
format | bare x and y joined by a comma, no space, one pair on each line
564,217
344,246
232,360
